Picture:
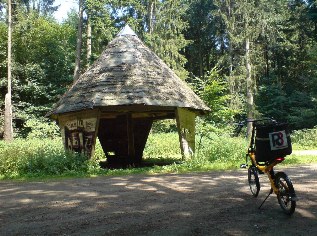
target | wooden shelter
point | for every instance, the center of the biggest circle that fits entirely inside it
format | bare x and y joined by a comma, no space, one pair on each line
118,98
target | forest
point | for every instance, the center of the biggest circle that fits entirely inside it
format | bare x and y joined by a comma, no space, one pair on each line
244,58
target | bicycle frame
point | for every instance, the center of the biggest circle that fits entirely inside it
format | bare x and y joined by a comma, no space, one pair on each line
268,169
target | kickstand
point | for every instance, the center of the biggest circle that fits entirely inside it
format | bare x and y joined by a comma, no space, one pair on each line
271,191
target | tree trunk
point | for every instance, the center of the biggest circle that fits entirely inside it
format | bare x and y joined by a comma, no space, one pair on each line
231,56
316,31
267,65
79,41
8,128
151,8
200,58
88,41
249,86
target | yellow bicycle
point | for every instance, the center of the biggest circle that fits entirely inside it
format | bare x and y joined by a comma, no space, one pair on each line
270,143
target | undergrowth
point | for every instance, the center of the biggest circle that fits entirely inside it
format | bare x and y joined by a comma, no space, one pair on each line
46,158
305,139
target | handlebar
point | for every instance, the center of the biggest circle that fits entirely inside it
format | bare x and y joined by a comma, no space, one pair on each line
255,121
244,122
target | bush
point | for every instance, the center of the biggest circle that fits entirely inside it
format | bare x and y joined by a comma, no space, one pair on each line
214,150
228,151
305,139
164,126
39,158
214,147
41,128
162,145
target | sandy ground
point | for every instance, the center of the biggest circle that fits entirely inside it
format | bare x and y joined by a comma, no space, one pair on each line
211,203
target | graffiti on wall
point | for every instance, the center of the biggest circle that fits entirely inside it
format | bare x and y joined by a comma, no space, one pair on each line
80,135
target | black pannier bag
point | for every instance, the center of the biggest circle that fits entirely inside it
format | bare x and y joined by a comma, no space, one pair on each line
272,141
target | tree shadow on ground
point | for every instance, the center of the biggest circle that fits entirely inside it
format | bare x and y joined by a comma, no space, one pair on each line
213,203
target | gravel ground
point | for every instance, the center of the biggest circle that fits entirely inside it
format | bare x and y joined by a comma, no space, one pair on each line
210,203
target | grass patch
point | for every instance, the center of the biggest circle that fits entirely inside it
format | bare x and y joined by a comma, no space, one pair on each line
295,159
305,139
46,158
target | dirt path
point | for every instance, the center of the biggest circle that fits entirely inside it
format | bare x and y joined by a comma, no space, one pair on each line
213,203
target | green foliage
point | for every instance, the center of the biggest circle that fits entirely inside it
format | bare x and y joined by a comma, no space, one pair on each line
42,69
162,145
38,158
190,36
295,107
215,150
216,146
223,150
305,139
167,36
214,90
41,129
102,23
164,126
201,33
216,95
41,7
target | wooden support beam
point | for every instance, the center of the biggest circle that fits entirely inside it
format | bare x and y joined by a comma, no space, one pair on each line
186,131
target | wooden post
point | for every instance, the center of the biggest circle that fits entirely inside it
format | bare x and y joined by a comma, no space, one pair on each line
186,131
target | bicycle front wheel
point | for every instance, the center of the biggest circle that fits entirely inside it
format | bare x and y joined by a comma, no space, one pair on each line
253,179
286,193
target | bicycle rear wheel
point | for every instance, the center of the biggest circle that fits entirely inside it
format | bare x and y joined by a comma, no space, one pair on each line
286,194
253,179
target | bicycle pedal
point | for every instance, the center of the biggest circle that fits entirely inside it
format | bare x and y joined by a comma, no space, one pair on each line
243,166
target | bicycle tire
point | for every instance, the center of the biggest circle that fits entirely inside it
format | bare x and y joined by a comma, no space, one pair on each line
253,180
286,194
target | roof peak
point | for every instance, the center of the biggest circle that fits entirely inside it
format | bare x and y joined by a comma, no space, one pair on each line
126,30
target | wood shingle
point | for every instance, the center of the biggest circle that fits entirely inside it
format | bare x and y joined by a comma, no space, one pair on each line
128,73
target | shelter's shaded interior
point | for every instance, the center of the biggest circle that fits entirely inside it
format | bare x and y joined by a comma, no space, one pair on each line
123,136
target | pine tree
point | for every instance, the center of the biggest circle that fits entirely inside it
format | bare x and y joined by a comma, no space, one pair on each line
99,26
166,37
201,32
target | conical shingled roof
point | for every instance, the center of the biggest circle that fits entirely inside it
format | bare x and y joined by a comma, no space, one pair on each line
128,73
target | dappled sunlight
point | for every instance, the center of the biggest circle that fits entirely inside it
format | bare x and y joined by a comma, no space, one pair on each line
120,184
88,194
13,190
183,184
203,202
306,213
154,206
183,214
65,203
25,200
